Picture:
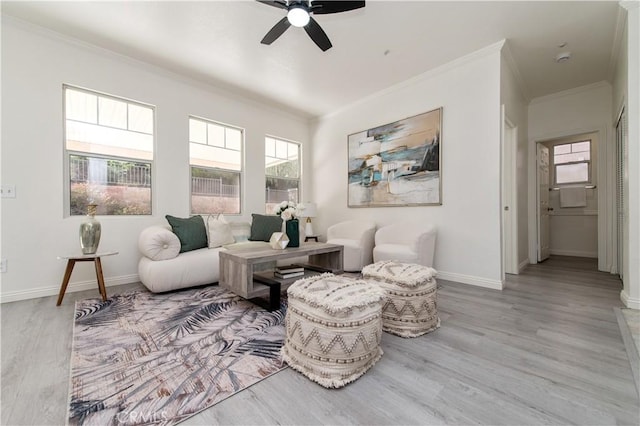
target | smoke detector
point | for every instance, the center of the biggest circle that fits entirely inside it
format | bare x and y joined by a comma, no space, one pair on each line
563,57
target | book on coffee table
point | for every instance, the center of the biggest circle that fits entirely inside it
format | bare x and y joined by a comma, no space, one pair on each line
288,274
289,269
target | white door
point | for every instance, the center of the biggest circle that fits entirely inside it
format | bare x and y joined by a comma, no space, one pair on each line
543,202
509,198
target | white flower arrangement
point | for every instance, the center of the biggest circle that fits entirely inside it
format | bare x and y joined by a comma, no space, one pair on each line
287,210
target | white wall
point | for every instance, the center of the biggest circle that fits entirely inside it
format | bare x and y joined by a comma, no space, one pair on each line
468,222
619,83
627,84
35,64
515,102
585,109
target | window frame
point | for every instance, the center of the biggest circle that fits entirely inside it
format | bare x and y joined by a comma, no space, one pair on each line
68,153
267,176
588,162
240,172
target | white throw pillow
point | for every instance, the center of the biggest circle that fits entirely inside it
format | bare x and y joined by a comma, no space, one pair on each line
158,243
218,231
241,231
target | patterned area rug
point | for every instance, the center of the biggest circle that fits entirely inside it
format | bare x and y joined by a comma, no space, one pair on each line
144,358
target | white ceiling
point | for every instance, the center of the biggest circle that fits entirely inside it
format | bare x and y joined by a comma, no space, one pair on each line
378,46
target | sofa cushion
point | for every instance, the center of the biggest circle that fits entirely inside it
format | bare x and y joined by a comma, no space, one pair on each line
241,231
190,231
262,226
218,231
398,252
158,243
248,245
197,267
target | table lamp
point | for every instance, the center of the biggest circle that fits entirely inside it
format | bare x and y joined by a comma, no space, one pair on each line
307,210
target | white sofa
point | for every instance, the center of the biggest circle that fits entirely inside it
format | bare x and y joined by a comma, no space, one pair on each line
406,243
357,237
163,268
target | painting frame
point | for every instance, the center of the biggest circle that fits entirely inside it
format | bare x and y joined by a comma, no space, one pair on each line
398,164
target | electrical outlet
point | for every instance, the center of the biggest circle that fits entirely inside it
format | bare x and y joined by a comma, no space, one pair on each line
3,265
8,191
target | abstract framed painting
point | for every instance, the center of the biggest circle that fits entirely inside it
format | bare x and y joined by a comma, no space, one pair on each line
397,164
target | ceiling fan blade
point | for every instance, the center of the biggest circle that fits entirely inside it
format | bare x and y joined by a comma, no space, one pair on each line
277,30
318,35
274,3
319,7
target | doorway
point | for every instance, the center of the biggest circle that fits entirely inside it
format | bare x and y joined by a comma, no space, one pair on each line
544,229
567,205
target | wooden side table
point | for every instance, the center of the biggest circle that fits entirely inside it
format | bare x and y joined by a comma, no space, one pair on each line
71,262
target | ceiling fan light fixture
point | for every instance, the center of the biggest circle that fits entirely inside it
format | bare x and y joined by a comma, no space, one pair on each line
298,16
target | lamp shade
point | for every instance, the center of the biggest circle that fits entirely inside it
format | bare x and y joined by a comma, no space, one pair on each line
307,210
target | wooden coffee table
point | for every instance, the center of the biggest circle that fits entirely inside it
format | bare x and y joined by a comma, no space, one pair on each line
249,273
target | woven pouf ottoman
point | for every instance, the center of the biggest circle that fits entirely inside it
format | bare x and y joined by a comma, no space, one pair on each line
410,308
333,327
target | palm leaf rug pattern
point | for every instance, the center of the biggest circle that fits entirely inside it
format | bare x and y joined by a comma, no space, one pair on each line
144,358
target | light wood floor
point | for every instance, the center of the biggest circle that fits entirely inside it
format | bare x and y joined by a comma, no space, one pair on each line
545,350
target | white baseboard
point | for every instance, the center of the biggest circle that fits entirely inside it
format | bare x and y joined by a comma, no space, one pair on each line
628,301
576,253
14,296
523,265
468,279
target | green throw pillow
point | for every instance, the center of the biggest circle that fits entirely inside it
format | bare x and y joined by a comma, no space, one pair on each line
263,226
191,232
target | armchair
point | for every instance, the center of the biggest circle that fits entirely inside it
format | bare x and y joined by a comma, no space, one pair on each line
408,243
357,237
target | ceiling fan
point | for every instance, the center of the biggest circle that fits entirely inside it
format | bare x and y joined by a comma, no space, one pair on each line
299,15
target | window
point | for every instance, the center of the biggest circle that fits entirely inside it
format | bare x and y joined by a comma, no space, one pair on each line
215,156
282,170
572,162
108,153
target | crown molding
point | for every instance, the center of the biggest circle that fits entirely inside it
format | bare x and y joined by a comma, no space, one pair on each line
570,92
630,4
427,75
507,54
223,89
621,24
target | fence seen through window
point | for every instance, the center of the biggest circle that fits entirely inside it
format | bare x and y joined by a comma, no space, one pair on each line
215,158
109,153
